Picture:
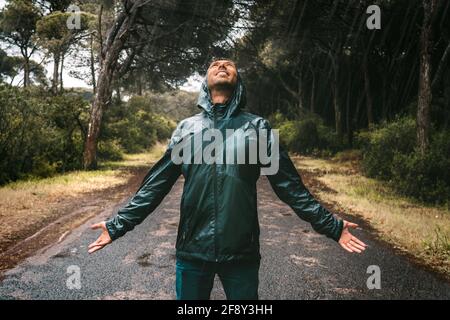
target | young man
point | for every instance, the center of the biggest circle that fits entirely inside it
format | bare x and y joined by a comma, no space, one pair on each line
219,229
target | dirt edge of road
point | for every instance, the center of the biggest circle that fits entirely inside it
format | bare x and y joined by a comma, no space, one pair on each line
73,217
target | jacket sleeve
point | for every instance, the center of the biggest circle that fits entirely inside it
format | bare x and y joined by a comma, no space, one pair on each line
154,187
289,187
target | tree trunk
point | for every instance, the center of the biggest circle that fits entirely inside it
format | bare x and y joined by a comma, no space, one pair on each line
348,117
26,72
55,79
118,94
139,85
336,102
115,42
447,98
300,94
101,100
369,102
312,106
425,95
61,84
337,110
92,62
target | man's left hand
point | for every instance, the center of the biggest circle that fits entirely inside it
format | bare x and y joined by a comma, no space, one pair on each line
348,241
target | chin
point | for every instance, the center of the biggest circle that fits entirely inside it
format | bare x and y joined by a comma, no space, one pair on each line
223,83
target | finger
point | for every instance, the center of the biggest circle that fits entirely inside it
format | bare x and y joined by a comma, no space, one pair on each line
343,245
355,239
95,243
98,247
99,242
97,226
352,247
352,225
357,246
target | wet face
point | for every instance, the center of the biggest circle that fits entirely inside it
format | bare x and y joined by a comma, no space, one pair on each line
222,73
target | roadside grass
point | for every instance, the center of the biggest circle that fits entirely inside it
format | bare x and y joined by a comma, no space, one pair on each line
136,160
419,229
27,205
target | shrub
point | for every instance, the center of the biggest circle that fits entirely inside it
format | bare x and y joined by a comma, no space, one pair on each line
134,127
40,134
307,136
420,176
109,150
381,144
390,154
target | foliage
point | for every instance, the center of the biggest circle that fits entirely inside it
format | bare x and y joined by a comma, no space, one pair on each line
43,134
39,134
306,136
134,126
382,143
390,154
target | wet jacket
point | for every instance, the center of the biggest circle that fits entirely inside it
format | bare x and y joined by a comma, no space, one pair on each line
218,212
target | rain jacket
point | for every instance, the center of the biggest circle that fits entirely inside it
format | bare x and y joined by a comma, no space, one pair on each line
218,213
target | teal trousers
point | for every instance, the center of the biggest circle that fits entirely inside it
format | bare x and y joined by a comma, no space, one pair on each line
195,279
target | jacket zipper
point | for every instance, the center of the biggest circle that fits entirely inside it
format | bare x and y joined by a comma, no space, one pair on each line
215,193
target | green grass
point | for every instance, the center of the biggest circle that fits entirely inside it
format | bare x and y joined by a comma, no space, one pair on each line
420,229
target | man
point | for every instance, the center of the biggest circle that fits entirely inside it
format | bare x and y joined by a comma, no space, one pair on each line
219,229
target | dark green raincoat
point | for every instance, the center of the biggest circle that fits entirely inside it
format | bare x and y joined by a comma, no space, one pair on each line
218,216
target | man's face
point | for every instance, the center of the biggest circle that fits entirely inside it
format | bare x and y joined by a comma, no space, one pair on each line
222,73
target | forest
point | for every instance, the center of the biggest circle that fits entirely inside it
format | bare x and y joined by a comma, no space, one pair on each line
363,79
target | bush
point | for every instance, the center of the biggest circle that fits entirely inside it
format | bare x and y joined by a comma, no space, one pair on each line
422,177
133,128
40,134
390,154
307,136
381,144
43,168
109,150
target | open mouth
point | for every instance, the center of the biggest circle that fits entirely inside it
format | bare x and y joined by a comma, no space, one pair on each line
222,71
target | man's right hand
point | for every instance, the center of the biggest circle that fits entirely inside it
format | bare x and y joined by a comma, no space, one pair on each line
103,240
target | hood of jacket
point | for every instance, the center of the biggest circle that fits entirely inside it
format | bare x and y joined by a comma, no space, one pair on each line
237,101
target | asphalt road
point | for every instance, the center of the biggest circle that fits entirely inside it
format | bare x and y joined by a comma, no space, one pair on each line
297,263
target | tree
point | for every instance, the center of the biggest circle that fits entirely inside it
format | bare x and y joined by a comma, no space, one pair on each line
17,26
425,94
7,65
57,39
172,36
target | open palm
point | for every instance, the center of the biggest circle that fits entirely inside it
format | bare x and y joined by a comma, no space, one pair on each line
103,240
348,241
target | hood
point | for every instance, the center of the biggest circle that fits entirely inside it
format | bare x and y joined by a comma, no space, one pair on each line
233,105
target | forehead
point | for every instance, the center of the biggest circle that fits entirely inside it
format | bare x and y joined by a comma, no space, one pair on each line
216,62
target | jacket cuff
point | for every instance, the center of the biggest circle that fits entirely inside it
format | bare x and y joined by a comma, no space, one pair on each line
112,230
338,230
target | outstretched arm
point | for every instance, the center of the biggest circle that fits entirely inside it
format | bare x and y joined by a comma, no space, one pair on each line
155,186
289,187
